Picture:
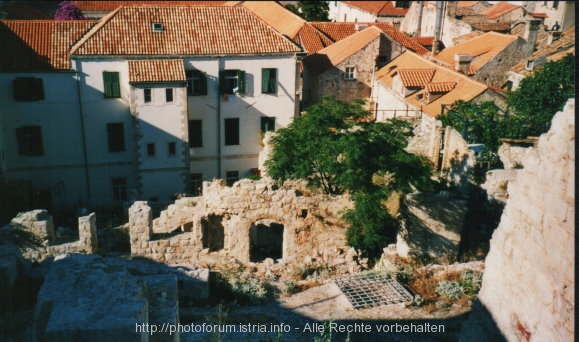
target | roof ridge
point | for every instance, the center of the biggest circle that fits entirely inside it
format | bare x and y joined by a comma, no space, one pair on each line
92,31
284,36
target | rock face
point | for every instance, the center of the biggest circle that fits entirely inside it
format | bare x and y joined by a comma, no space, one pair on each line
250,221
528,286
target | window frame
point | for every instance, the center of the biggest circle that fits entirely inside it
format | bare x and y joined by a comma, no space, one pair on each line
111,84
196,183
269,83
119,187
116,137
151,150
169,95
350,73
196,75
29,140
171,148
195,133
225,78
231,131
266,122
28,89
147,95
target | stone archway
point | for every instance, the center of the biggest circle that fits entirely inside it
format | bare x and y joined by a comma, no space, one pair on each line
265,240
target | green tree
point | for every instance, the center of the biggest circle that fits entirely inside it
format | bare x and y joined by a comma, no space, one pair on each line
335,151
540,96
311,10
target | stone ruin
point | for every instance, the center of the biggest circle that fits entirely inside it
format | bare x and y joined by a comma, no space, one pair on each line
251,221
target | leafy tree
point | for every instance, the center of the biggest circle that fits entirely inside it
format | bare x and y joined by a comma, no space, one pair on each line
336,151
540,96
67,10
311,10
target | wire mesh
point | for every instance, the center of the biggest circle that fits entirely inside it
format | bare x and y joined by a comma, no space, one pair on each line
367,290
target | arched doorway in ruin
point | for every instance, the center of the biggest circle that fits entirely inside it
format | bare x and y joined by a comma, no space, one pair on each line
265,240
212,233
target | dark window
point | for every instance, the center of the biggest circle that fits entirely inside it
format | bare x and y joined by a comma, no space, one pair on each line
196,184
232,82
147,94
119,189
196,83
116,137
169,94
158,27
403,4
555,4
195,133
231,131
267,124
231,177
151,149
112,85
172,148
28,89
269,81
29,139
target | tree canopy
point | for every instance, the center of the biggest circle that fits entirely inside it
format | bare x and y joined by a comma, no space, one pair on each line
67,10
311,10
336,150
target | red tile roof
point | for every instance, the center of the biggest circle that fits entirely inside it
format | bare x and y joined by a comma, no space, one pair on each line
339,31
312,40
439,87
412,78
39,45
277,16
539,15
108,6
192,30
161,70
499,9
380,8
424,41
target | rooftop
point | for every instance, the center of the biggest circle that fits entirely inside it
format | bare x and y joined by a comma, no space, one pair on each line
189,30
380,8
499,9
108,6
163,70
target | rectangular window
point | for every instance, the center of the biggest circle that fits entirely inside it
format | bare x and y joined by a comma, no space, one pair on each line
29,141
28,89
267,124
196,184
151,149
172,149
232,82
169,94
269,81
350,73
231,177
195,133
116,136
112,85
555,4
119,189
147,95
196,83
232,131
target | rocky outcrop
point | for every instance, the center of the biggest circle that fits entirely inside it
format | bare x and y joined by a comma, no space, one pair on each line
528,287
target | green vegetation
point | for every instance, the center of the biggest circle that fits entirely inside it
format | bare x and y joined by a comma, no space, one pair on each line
311,10
335,150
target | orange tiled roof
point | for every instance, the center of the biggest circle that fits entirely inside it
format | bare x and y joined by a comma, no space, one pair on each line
412,78
39,45
483,48
424,41
440,87
460,4
380,8
22,11
277,16
339,51
192,30
499,9
339,31
539,15
465,88
108,6
312,40
160,70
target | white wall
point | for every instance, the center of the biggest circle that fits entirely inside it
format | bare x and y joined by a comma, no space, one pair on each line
346,13
389,103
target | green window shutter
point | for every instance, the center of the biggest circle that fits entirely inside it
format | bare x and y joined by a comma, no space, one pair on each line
111,84
107,84
273,80
115,84
265,80
241,81
203,89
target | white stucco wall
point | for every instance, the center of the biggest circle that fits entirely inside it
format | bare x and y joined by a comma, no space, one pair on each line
346,13
389,104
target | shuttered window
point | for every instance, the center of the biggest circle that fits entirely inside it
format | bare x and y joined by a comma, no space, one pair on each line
269,81
195,133
232,82
196,83
112,85
28,89
232,131
267,124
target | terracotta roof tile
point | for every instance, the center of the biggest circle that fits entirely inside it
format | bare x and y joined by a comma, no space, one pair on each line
440,87
499,9
192,30
539,15
162,70
39,45
108,6
339,31
465,89
312,40
412,78
483,48
380,8
424,41
277,16
462,11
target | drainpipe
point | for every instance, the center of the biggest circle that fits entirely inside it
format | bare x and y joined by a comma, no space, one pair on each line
420,9
83,133
437,26
219,62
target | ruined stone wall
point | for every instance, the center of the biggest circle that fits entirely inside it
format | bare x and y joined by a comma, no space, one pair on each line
494,72
426,139
40,225
218,224
528,285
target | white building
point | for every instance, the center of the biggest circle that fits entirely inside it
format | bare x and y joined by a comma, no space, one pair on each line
159,100
367,11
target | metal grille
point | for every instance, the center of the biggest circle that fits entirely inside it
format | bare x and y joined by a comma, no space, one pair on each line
367,290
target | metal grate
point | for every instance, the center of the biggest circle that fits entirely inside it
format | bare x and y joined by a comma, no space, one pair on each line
367,290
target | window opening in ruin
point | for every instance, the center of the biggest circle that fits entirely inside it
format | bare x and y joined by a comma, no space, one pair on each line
212,233
266,240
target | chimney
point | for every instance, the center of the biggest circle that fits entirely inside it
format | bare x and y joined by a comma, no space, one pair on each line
531,32
359,27
419,24
462,63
